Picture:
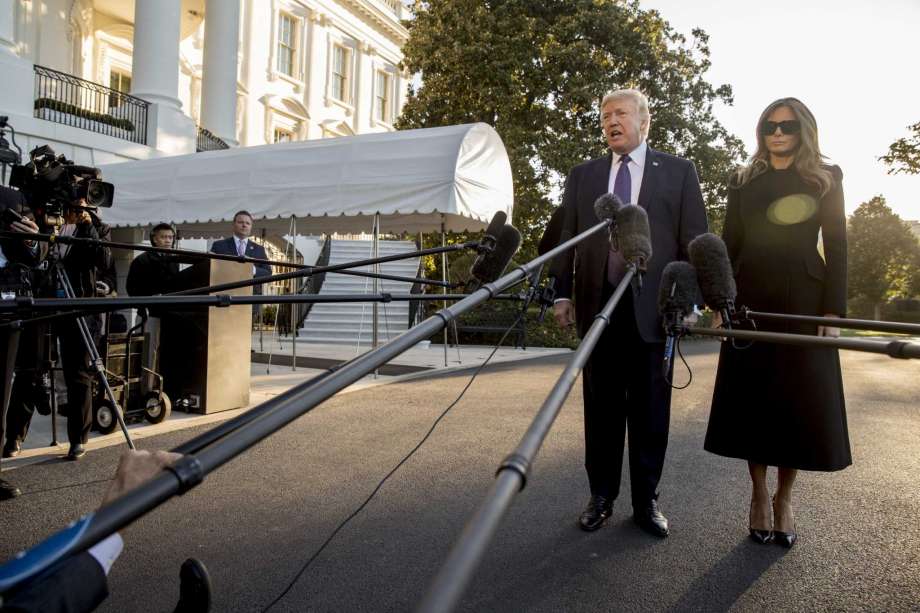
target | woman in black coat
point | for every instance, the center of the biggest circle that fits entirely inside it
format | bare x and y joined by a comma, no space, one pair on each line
785,230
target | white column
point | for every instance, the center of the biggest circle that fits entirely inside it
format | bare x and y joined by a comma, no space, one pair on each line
18,79
155,75
218,87
8,28
155,63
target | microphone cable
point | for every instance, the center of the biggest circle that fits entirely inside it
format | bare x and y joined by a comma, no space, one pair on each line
680,353
399,465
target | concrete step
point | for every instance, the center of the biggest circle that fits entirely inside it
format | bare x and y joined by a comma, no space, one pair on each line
335,324
333,336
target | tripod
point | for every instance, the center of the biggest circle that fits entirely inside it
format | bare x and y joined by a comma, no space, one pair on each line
63,284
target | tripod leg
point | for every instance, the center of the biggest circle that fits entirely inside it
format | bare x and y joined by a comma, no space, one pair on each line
95,359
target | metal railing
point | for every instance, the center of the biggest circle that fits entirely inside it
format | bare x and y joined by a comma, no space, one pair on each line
208,142
72,101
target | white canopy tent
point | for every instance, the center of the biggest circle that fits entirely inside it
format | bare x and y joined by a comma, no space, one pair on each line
454,178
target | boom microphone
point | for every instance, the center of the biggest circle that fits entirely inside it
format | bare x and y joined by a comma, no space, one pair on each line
635,238
490,236
677,295
489,266
714,273
606,207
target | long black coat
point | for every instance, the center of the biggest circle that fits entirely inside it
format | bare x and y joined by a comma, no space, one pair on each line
782,405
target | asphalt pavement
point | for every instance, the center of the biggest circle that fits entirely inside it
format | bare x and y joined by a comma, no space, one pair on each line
258,519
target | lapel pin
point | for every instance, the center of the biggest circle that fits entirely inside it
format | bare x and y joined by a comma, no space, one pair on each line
654,163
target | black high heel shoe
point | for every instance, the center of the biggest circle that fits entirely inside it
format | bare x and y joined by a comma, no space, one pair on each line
785,539
759,536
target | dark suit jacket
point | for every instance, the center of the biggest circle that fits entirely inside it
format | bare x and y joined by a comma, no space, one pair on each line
227,246
15,250
671,196
77,584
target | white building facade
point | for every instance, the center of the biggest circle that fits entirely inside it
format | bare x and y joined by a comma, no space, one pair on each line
108,80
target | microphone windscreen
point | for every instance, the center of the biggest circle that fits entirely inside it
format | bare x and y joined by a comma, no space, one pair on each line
496,225
490,266
678,291
635,238
713,270
606,206
553,232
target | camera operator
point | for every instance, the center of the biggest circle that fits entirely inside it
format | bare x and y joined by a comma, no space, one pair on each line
16,259
91,271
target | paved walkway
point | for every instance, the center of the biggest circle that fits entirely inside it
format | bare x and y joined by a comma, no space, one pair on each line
258,519
272,379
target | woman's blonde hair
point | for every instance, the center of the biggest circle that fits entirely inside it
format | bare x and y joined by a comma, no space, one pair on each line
809,162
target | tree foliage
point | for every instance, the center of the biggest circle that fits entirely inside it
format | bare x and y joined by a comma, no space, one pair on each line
904,154
536,71
883,255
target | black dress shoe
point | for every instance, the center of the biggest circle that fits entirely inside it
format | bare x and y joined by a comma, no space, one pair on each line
761,536
785,539
194,588
596,513
650,519
8,490
76,452
11,449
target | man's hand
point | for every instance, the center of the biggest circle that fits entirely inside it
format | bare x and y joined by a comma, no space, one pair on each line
564,312
77,216
136,467
716,321
26,226
828,330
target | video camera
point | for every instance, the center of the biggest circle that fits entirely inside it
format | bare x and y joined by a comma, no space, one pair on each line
52,184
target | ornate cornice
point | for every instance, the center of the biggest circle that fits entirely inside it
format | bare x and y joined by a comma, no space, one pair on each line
373,11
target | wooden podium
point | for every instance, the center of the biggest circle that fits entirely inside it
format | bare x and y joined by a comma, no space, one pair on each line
205,352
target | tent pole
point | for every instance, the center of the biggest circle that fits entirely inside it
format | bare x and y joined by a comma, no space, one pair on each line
444,278
261,309
293,235
374,338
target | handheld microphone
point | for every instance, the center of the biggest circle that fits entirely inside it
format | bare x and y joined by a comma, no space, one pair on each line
635,237
490,236
677,295
714,272
489,266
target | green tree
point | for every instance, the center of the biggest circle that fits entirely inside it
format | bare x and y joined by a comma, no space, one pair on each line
904,154
883,255
536,71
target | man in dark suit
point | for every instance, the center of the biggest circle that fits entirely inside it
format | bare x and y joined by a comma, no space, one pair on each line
239,244
624,388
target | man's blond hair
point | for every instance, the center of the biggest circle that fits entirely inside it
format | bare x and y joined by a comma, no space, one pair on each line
638,99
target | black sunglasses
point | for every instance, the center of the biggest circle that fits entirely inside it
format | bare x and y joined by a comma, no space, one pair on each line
788,127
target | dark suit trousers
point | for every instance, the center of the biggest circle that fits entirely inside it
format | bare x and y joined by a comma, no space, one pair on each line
624,391
78,375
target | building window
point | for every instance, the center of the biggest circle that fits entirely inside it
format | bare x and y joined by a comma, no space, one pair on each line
283,136
340,73
120,82
286,44
382,97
